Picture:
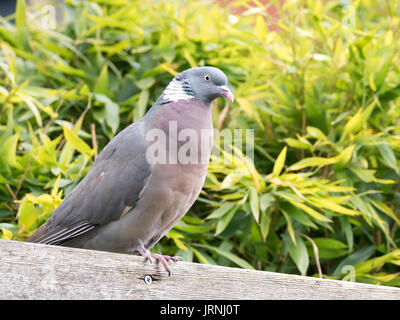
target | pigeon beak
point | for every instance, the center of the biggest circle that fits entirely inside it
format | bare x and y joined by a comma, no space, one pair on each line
227,93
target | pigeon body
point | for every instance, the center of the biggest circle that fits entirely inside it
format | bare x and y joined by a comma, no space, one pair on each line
127,203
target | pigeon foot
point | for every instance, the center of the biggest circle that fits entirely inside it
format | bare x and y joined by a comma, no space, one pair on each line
162,258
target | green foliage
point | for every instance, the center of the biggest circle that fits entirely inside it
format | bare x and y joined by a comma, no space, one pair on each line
322,96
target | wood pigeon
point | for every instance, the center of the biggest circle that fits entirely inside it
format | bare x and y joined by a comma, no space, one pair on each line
127,202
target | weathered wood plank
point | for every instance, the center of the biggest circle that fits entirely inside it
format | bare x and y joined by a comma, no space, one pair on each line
35,271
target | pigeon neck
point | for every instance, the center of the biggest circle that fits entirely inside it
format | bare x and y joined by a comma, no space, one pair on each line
177,89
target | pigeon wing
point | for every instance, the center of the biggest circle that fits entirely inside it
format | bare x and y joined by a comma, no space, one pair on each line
110,189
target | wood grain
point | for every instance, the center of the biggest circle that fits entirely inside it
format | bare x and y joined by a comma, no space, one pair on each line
36,271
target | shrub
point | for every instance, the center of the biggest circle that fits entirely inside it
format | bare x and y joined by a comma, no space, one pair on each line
321,94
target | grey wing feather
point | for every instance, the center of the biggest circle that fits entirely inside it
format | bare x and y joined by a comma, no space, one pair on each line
113,183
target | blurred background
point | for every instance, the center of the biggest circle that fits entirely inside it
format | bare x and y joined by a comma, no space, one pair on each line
318,81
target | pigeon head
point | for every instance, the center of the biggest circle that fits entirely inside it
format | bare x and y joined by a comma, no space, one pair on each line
202,83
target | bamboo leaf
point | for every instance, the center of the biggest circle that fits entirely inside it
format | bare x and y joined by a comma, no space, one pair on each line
204,258
298,253
388,156
344,157
102,81
385,209
355,258
77,142
222,210
8,152
310,211
261,28
265,224
298,144
330,248
142,104
254,203
6,234
32,107
289,226
224,221
279,163
21,24
230,256
311,162
367,266
327,204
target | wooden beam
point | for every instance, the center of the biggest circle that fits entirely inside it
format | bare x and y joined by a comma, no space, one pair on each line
36,271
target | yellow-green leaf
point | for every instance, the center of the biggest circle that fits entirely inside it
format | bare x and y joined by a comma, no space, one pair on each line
358,120
290,226
353,124
371,81
8,151
6,234
102,81
279,163
316,133
310,211
222,210
77,142
21,24
297,144
327,204
311,162
261,28
385,209
367,266
265,222
254,203
54,190
344,157
231,256
176,236
189,58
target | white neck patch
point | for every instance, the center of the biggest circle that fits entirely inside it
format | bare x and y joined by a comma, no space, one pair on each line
174,92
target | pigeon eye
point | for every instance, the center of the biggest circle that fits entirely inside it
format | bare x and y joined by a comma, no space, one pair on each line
206,77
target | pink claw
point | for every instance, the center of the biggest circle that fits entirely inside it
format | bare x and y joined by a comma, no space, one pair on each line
162,258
